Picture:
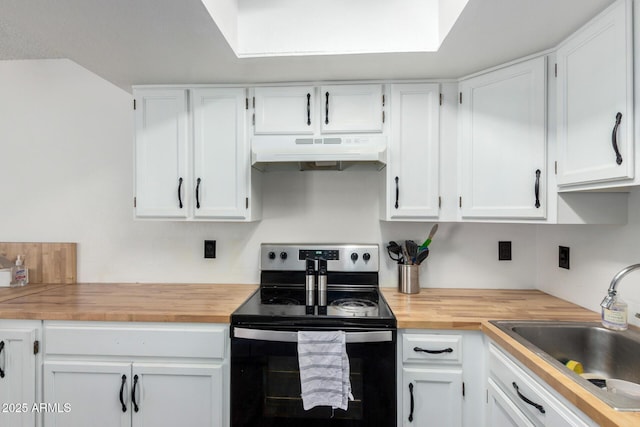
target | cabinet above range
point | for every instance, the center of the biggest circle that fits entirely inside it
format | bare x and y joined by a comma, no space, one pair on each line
317,127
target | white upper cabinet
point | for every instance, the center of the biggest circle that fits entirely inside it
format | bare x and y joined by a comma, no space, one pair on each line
192,157
285,110
503,143
351,108
161,153
411,184
220,157
310,110
595,100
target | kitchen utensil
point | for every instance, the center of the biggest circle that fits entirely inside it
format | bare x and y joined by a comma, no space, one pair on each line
395,251
405,255
422,255
412,250
432,233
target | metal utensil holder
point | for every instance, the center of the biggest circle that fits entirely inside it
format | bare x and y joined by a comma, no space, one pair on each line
409,278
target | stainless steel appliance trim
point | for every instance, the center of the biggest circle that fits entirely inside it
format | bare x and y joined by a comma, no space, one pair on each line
289,336
285,256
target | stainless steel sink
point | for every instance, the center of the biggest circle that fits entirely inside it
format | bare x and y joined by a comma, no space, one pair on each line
605,354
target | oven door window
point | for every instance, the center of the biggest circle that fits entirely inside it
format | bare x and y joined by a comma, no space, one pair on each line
265,386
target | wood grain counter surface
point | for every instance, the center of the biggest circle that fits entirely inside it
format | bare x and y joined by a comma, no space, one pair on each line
468,308
464,309
126,302
473,308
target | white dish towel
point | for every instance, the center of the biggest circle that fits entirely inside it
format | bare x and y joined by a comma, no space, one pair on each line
324,369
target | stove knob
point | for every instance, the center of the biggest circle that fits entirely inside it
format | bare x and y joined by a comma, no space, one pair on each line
366,256
283,255
272,255
354,257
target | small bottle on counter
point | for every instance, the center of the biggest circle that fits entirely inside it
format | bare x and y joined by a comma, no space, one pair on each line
615,317
20,273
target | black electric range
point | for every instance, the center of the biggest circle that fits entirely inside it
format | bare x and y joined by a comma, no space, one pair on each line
353,297
313,287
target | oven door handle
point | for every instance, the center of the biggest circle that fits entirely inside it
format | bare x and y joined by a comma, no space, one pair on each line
289,336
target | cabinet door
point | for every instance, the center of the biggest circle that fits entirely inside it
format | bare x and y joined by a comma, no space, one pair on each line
220,158
179,395
412,177
351,108
161,153
503,143
436,395
88,394
285,110
18,382
502,412
595,84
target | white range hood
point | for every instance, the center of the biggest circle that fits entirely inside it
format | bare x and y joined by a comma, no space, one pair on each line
330,153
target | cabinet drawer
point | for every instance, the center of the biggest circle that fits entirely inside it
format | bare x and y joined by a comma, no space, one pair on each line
148,339
541,406
431,348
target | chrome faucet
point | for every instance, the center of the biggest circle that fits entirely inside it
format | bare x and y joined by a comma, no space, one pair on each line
608,300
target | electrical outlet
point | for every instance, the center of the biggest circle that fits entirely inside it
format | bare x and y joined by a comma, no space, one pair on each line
563,257
504,251
209,248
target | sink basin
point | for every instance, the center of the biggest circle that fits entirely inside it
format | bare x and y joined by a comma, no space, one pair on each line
604,354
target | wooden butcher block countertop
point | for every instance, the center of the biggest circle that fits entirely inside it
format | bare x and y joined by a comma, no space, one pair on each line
125,302
463,309
468,308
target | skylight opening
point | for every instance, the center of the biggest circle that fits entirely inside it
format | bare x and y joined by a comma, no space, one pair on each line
262,28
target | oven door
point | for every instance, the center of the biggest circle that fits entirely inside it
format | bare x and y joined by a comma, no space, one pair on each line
265,380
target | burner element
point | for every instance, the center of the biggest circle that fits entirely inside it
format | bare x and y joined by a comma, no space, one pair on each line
282,301
354,307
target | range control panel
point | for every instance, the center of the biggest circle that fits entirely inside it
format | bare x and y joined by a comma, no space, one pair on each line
340,257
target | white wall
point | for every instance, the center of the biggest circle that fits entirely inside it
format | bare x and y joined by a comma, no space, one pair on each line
598,252
66,165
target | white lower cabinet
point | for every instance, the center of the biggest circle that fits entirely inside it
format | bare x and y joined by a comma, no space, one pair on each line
115,375
441,378
501,411
434,396
19,373
518,398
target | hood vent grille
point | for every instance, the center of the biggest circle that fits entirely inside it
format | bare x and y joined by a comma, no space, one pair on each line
330,153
